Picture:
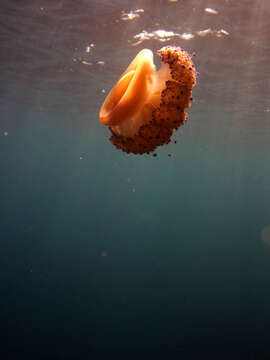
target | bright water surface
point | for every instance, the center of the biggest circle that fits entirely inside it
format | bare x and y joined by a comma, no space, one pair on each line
104,252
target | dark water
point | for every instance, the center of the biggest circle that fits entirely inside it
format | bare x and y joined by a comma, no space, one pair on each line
104,253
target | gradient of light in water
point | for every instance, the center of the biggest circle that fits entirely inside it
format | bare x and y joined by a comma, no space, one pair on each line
107,252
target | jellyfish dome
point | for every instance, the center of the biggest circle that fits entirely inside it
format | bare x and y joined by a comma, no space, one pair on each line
146,106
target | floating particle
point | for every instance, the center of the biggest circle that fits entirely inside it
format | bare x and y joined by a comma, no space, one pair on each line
211,11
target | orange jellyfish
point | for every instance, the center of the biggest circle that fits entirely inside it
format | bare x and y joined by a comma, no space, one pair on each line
146,106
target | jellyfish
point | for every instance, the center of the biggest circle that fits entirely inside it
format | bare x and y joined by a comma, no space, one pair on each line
146,106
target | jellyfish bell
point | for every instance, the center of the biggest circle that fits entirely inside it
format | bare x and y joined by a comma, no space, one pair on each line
146,106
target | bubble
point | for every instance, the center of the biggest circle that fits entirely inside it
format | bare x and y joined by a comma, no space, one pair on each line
265,235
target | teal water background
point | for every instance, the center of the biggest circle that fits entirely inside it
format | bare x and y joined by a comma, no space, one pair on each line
104,252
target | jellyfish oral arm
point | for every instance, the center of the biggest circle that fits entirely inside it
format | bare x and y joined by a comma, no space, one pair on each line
130,92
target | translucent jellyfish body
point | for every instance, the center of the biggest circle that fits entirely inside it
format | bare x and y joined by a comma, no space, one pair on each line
146,106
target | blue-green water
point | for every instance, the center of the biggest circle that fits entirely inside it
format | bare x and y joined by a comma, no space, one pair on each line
105,253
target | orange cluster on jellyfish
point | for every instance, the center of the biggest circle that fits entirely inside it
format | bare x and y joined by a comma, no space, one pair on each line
146,106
